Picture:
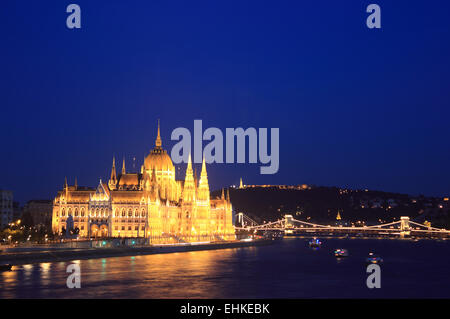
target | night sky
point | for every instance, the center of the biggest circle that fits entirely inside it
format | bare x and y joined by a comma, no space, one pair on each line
356,108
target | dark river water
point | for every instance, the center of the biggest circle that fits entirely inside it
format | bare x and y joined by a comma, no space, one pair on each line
286,269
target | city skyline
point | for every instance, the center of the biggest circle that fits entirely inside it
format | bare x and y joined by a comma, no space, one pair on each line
356,108
240,158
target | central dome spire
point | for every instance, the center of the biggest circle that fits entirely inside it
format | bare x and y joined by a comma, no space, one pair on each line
158,142
158,158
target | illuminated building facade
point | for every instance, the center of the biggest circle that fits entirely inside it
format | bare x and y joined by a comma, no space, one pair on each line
6,208
150,204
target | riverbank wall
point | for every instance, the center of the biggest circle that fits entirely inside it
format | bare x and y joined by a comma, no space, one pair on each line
54,255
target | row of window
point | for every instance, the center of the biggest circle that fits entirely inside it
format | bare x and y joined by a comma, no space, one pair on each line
103,213
81,220
123,214
129,228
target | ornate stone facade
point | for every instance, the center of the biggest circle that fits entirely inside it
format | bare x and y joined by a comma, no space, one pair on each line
150,204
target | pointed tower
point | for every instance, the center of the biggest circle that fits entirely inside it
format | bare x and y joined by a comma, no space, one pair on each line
241,185
203,186
76,183
123,167
189,186
222,197
158,142
228,195
113,180
203,224
66,188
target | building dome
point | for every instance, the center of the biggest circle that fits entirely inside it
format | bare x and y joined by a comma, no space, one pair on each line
158,159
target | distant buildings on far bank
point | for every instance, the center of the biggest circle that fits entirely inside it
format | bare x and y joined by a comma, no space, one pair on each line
6,208
39,211
338,205
297,187
36,212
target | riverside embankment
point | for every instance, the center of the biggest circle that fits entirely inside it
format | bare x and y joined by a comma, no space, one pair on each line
18,257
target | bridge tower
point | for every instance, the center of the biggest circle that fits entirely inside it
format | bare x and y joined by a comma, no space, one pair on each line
404,223
288,221
240,219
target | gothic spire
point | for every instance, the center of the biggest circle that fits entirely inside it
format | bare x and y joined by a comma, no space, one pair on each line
204,174
66,187
123,166
189,187
158,142
113,180
203,186
189,166
113,170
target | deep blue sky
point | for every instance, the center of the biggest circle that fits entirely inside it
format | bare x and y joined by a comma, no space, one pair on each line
356,107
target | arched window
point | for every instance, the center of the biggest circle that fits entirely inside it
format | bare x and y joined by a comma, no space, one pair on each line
130,213
63,213
76,212
123,212
82,212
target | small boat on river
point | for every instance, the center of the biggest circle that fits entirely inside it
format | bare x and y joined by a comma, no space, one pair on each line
374,259
339,253
315,243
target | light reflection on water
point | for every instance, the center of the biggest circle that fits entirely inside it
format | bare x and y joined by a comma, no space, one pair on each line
287,269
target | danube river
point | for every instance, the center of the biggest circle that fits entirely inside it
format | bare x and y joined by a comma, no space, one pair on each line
286,269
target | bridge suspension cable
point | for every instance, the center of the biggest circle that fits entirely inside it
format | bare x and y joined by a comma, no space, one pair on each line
427,227
288,223
384,225
309,224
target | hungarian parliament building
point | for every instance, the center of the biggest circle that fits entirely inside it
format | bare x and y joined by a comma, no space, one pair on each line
151,204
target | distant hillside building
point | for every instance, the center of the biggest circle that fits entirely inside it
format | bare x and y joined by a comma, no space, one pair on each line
339,221
294,187
445,204
6,208
40,210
